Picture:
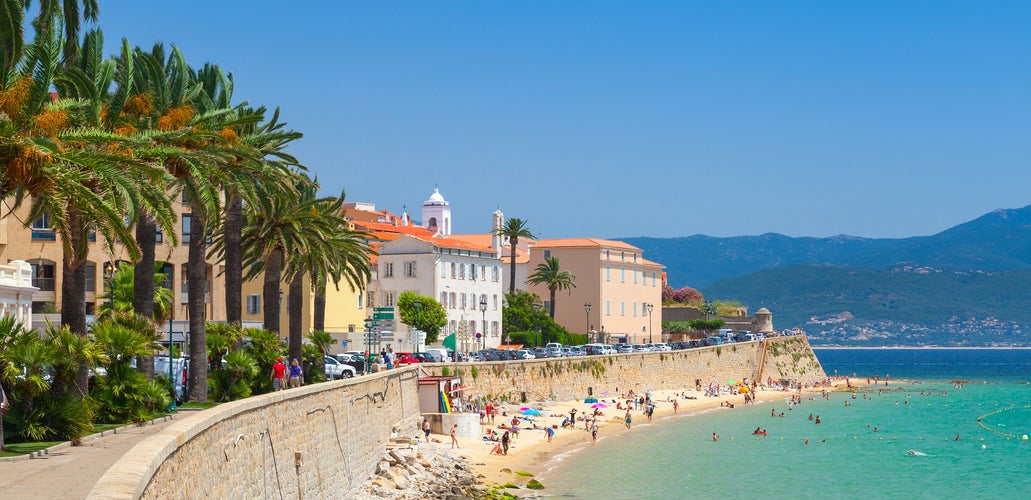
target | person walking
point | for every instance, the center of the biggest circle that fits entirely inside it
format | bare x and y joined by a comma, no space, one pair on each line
626,419
504,443
454,437
278,374
295,374
426,429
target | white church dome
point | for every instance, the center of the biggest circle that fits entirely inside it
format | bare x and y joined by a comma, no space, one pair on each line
436,198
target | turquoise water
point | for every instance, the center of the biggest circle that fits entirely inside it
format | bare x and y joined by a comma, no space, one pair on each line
846,457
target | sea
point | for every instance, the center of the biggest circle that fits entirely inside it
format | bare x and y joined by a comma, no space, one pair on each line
955,429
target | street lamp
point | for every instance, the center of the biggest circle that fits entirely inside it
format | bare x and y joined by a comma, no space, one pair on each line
171,316
537,321
109,271
368,342
587,311
649,306
483,309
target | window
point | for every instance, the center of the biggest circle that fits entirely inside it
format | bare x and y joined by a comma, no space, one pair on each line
622,275
495,302
186,227
472,272
607,256
454,272
44,273
388,299
495,273
167,270
633,309
622,308
453,301
608,273
443,271
608,308
159,237
253,304
635,276
653,278
547,254
494,328
388,270
644,277
465,302
443,300
461,271
483,272
410,269
361,301
622,256
41,229
91,277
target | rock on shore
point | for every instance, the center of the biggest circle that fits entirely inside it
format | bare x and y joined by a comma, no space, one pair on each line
411,470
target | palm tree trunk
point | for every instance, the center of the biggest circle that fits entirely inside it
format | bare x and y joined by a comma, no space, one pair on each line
196,276
270,290
318,321
232,238
143,281
551,306
294,304
512,267
73,298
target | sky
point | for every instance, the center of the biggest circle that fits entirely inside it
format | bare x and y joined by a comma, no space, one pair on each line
622,119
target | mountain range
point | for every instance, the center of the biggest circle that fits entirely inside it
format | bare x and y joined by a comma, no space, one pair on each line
967,285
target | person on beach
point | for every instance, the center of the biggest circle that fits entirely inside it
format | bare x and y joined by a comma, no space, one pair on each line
817,419
626,419
504,443
295,373
675,406
715,437
454,437
426,429
550,432
594,432
278,374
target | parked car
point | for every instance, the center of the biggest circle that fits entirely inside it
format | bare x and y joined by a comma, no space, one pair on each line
541,352
335,369
525,354
353,361
662,346
577,350
624,348
549,345
554,352
404,358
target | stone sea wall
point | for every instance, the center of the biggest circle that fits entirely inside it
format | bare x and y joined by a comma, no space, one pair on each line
323,440
780,358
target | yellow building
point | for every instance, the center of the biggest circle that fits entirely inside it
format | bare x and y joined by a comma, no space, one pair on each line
618,293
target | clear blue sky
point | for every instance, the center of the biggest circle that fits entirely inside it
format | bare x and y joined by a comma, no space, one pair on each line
618,119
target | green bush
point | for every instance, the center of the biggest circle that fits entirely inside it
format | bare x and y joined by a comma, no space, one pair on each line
235,380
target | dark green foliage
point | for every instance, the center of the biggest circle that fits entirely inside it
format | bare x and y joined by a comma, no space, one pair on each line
520,317
234,381
125,395
264,347
429,317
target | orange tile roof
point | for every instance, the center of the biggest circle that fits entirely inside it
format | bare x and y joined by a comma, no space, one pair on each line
585,242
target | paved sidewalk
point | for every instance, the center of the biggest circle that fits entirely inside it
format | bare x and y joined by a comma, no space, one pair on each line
71,471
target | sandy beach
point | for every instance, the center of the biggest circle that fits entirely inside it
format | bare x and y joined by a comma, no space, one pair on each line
531,452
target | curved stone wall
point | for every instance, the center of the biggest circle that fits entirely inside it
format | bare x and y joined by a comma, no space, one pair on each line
781,358
320,440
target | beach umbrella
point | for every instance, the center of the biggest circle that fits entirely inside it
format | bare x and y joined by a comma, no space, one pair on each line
459,388
599,405
524,408
531,412
732,382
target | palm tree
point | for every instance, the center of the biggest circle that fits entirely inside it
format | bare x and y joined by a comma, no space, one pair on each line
314,235
513,230
548,273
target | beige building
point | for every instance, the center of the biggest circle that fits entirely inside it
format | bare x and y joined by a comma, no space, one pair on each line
618,293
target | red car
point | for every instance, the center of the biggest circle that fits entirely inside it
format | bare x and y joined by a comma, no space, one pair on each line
404,358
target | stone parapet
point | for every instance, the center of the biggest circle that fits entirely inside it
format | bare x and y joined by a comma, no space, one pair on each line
780,358
319,440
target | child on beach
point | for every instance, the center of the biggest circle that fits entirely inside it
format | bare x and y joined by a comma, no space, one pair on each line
626,419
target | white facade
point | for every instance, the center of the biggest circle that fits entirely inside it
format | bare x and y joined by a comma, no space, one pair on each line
16,291
458,275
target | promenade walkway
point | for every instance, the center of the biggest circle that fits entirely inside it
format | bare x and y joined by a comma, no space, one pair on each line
71,471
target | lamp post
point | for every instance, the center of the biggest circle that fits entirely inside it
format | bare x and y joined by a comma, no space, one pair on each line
587,312
171,315
649,306
368,341
537,321
109,271
483,310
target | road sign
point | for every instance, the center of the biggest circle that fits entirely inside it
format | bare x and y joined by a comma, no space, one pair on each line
383,315
383,309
